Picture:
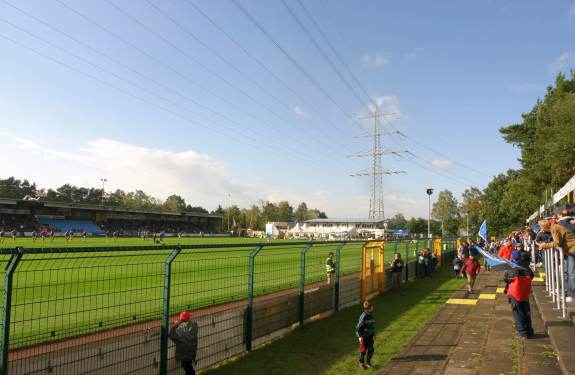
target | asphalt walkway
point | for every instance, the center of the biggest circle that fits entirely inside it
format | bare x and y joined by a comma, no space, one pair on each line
474,334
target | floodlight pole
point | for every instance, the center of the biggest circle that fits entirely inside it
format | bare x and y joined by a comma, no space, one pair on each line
429,192
104,180
229,210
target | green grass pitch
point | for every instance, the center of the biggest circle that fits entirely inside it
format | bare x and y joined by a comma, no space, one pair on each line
56,296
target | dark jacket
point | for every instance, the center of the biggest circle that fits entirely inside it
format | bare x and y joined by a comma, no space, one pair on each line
185,336
365,325
518,283
397,266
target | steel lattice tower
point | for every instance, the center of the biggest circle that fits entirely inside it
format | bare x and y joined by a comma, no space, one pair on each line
376,204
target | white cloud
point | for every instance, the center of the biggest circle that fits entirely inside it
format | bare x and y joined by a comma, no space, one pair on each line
393,197
571,13
378,60
200,178
442,165
413,54
566,59
386,104
299,112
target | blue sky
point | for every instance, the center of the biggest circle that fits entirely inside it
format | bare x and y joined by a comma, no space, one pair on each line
150,95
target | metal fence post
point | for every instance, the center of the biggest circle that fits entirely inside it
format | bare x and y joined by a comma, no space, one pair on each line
562,282
302,284
250,307
337,268
7,307
407,261
166,310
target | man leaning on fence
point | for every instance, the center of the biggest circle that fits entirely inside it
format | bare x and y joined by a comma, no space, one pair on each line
330,268
184,333
563,233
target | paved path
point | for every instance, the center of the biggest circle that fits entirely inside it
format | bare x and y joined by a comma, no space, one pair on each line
475,335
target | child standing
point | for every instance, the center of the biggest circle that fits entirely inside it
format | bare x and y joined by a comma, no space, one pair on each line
365,331
518,287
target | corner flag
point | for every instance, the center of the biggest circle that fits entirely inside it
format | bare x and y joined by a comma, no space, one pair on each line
483,230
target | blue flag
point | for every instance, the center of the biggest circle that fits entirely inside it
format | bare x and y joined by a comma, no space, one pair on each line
483,230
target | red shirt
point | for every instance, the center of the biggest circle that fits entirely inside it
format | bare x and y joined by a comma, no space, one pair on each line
505,252
519,284
471,267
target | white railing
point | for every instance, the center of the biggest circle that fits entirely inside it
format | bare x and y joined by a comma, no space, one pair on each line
554,265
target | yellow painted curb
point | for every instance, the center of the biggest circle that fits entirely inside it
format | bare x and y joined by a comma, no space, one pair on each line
500,290
487,296
538,279
460,301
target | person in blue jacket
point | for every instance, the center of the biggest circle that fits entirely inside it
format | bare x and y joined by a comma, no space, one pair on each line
365,331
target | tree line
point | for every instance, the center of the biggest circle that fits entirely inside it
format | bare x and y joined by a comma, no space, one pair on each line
546,140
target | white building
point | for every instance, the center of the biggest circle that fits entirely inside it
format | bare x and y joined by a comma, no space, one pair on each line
278,228
338,228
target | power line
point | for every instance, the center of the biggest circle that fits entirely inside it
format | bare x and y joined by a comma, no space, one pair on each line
229,64
322,52
268,70
116,61
125,92
291,59
362,88
206,68
335,52
158,61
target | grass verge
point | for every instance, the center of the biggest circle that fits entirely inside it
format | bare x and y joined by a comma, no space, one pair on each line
330,346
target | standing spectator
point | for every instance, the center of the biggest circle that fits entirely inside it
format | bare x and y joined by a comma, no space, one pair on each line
184,333
471,268
518,288
365,331
427,262
506,249
544,236
420,265
330,268
564,237
396,271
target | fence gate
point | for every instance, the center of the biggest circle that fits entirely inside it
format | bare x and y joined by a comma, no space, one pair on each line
438,250
372,265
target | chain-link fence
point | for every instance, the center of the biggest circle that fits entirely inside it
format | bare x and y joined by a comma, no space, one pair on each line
108,310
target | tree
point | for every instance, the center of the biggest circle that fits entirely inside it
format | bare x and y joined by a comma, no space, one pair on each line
491,210
470,210
285,211
175,203
398,221
444,210
301,213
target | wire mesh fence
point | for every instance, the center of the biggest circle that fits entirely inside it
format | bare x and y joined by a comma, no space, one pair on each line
93,310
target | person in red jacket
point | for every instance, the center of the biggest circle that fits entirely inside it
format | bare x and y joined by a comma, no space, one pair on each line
471,268
518,288
506,250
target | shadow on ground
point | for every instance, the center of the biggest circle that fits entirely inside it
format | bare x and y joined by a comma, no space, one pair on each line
330,346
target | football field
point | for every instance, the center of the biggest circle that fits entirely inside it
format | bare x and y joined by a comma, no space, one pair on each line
60,295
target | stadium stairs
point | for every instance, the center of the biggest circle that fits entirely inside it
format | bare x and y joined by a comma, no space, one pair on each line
63,225
561,330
